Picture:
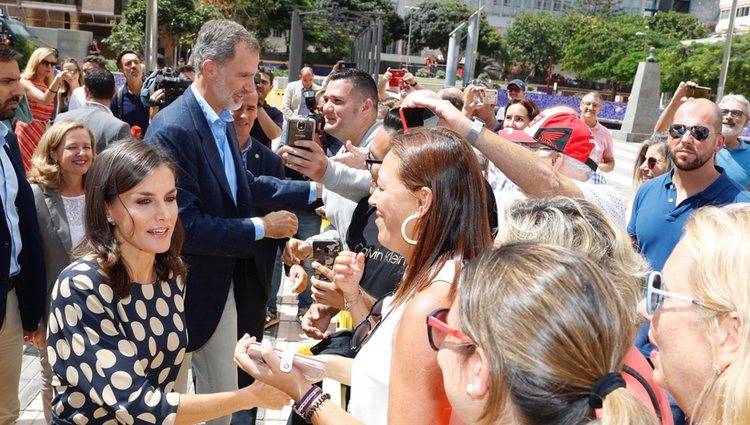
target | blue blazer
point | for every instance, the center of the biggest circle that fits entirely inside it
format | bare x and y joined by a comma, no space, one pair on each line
32,287
219,235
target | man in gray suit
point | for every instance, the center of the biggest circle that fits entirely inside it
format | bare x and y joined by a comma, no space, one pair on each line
99,85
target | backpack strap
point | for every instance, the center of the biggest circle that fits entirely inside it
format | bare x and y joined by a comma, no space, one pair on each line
651,394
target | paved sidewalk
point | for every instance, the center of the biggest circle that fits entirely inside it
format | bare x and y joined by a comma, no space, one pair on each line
286,334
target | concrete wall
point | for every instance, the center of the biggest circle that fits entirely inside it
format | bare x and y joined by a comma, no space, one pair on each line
70,43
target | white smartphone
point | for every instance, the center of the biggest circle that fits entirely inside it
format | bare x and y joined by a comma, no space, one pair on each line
312,369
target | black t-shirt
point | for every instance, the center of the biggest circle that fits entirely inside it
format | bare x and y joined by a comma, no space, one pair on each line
383,267
258,133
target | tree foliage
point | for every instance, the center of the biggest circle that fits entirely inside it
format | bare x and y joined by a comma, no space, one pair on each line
178,21
435,19
262,16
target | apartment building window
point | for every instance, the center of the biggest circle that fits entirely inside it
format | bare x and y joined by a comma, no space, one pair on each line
277,33
743,11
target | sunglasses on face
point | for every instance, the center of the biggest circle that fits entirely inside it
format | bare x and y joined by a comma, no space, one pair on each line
370,161
735,113
655,294
651,162
47,63
698,132
438,329
362,333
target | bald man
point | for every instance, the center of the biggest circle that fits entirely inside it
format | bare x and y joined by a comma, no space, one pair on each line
293,103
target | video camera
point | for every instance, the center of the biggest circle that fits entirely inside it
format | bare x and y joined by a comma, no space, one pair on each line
173,85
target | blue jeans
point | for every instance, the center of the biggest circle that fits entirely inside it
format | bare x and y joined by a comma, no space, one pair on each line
309,225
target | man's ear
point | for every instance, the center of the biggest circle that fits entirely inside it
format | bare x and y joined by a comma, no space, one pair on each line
367,105
209,69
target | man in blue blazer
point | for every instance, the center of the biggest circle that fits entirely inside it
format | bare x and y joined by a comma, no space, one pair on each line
22,274
217,199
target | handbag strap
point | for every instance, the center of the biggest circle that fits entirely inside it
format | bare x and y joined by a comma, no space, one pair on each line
651,394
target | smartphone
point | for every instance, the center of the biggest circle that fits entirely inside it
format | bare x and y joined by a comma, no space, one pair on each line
417,117
348,65
396,76
699,92
325,252
312,369
300,128
489,97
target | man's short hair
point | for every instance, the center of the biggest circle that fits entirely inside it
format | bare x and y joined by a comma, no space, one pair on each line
737,98
100,83
184,68
217,40
595,94
98,60
7,54
267,72
362,83
123,53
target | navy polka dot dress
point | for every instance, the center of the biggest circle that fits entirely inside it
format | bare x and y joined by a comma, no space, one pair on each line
114,360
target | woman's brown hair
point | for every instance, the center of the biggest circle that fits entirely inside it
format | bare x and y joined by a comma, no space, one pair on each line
118,169
456,226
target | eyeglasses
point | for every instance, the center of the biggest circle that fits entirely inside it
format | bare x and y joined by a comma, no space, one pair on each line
437,329
651,162
698,132
73,71
370,161
48,63
655,295
364,330
735,113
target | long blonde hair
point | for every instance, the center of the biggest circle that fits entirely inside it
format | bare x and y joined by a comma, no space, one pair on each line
44,170
551,326
36,58
717,241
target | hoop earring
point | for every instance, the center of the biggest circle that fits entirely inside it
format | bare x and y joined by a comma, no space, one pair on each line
406,221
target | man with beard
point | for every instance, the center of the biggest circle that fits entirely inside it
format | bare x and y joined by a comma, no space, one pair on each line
127,105
735,157
217,198
663,204
22,276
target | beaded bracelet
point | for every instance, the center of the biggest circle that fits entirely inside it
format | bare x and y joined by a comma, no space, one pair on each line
309,414
304,403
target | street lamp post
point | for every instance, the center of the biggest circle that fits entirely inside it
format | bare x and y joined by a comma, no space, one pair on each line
408,39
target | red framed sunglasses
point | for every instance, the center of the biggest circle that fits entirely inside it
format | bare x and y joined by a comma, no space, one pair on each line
437,329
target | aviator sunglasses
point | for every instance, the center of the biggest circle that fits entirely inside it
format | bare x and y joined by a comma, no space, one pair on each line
698,132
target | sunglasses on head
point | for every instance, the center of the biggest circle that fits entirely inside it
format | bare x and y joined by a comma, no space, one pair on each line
698,132
48,63
655,294
438,329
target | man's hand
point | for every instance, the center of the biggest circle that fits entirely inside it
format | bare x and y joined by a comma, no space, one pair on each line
680,94
312,163
316,321
280,224
324,291
353,157
298,278
295,251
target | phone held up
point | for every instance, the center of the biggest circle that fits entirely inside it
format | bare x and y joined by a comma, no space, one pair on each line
699,92
325,252
417,117
300,128
312,369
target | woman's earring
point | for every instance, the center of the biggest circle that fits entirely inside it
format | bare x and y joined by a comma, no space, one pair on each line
406,221
469,389
110,221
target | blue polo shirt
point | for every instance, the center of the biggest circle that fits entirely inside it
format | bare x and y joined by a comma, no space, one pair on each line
736,163
657,223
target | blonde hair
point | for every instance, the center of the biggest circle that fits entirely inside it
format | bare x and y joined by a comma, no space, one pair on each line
716,239
580,225
551,325
45,170
36,58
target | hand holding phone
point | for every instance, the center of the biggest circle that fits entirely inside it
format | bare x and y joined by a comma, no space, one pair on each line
699,92
325,253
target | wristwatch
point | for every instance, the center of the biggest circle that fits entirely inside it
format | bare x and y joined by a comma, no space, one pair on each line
476,128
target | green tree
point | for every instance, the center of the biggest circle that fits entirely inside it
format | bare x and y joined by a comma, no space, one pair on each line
538,39
178,22
435,19
262,16
675,26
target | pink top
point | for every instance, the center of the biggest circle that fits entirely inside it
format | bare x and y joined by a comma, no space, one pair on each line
604,148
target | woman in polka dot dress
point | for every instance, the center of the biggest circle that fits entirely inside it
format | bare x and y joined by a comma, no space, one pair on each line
116,331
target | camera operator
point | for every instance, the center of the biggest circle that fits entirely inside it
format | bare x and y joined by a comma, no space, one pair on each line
269,121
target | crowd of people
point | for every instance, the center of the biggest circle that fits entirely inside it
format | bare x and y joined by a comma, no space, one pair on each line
480,268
